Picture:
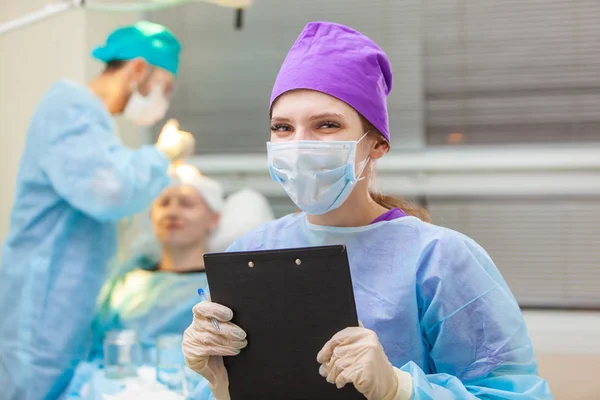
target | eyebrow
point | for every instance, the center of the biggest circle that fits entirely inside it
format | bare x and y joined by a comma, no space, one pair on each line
326,115
279,119
314,117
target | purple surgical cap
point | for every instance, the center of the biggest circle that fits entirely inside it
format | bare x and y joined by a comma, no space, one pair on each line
343,63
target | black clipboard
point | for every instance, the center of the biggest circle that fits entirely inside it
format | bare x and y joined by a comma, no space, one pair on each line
290,303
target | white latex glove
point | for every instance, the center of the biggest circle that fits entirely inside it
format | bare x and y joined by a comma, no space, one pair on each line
204,346
189,144
175,143
355,356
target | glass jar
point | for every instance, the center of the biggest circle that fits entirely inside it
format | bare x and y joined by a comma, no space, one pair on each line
170,362
121,354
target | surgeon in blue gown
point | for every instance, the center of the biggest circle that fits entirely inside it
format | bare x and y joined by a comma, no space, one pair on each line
438,320
76,181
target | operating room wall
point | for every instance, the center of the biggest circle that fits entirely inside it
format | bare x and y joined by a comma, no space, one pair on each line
31,60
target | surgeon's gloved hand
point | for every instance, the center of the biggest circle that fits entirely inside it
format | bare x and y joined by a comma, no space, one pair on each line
175,143
355,356
189,144
204,346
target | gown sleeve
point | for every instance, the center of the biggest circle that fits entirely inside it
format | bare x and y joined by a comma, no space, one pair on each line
479,347
93,171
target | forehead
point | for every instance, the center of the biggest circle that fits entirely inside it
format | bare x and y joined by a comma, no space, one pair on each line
181,191
309,102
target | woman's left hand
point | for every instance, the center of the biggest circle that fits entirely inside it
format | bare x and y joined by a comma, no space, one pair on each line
355,356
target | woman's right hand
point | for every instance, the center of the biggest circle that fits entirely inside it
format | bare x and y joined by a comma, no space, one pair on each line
204,346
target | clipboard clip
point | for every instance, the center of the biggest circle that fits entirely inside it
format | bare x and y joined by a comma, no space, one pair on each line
251,263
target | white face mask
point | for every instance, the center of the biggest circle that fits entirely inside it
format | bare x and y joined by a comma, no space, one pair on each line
317,175
147,110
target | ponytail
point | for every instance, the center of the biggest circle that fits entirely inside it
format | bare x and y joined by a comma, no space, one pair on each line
391,202
408,207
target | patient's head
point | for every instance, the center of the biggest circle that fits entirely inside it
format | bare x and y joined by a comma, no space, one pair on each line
187,212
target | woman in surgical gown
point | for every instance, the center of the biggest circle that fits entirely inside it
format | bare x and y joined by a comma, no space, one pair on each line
438,320
154,292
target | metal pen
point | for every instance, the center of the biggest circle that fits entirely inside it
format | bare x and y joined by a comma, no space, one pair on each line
204,297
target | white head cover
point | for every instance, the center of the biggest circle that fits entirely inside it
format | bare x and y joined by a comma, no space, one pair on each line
244,211
210,190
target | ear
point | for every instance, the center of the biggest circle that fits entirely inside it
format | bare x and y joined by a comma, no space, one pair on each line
214,221
380,149
139,69
151,214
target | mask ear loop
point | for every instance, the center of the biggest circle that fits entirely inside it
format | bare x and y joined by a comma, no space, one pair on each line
363,136
157,88
134,86
149,74
365,162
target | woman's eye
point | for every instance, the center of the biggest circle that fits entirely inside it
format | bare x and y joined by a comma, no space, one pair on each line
329,125
280,128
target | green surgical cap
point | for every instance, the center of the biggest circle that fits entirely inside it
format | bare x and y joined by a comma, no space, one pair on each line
152,42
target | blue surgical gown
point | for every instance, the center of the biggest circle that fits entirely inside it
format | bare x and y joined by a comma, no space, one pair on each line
75,181
152,303
437,302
